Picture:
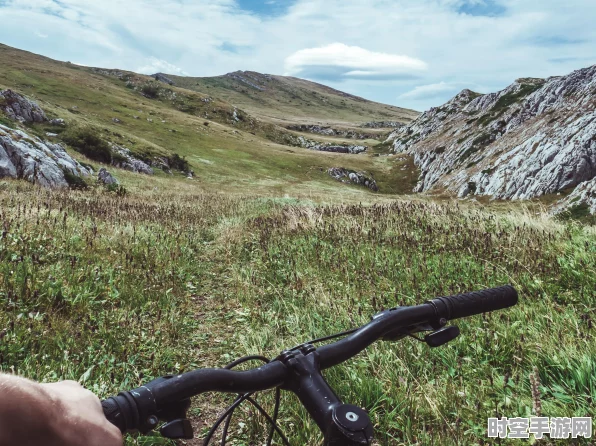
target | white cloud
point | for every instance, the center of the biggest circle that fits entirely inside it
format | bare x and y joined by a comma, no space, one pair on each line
338,61
433,90
161,66
388,41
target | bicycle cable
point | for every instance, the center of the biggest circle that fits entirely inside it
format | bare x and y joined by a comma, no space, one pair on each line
229,412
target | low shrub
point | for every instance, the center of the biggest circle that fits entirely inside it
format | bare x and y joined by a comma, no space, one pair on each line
150,90
179,163
74,181
88,141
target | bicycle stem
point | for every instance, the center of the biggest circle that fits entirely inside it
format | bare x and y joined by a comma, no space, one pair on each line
342,424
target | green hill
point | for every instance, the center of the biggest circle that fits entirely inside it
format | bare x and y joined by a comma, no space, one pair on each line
289,99
263,251
229,148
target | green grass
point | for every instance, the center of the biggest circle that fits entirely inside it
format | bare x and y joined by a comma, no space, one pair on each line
264,250
507,100
292,100
226,155
113,291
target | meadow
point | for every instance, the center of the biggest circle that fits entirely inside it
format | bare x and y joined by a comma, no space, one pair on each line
114,291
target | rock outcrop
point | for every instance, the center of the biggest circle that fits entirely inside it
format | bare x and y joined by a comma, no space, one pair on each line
383,125
19,108
583,195
105,177
163,78
301,141
354,150
330,131
352,177
534,138
125,160
26,157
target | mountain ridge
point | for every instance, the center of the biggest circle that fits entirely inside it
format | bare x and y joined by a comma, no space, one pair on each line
275,98
534,138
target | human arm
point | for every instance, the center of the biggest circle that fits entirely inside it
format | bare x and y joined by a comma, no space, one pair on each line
60,414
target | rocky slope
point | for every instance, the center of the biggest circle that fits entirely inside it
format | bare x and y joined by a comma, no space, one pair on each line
26,157
535,137
348,176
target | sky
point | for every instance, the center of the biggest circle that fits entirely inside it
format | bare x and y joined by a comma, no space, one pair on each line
411,53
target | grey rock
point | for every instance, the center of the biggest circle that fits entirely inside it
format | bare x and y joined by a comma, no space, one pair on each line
106,177
533,138
352,177
116,120
340,149
329,131
383,125
27,157
583,195
130,162
58,121
20,108
163,78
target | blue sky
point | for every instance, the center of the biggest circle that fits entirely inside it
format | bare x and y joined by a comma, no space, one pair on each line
412,53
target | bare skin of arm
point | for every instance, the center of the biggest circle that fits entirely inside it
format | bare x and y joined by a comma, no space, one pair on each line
60,414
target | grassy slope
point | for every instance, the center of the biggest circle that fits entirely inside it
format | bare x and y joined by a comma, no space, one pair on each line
225,156
115,291
292,100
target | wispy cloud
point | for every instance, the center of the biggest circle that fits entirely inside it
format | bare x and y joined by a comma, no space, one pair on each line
438,90
339,62
155,65
386,50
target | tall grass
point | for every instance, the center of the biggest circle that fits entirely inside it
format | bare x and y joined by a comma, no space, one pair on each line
113,291
309,272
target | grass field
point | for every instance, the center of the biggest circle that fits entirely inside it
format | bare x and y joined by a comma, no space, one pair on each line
113,291
263,250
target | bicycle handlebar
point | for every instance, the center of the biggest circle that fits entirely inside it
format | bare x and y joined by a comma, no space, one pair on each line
142,408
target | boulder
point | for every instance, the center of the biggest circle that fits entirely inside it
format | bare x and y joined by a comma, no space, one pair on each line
352,177
27,157
106,177
20,108
163,78
57,122
128,162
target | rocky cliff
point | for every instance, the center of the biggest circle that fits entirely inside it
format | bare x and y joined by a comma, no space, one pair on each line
26,157
536,137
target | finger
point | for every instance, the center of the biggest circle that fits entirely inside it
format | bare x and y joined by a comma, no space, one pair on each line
70,383
110,436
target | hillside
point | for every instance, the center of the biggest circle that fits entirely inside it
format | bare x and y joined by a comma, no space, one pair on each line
228,148
533,139
261,250
289,100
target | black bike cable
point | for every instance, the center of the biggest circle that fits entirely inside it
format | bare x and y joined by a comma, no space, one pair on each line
227,415
326,338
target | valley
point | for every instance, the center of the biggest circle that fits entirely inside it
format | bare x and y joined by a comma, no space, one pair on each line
243,219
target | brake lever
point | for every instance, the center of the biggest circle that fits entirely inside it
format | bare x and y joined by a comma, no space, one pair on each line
439,333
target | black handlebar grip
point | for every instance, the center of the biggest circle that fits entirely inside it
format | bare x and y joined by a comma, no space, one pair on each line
477,302
119,411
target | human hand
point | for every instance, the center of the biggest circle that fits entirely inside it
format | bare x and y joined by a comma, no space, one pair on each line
79,418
